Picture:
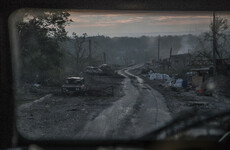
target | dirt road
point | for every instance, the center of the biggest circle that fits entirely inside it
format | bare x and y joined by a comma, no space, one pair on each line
138,110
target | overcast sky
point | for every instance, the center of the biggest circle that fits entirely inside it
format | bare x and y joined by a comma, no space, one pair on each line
126,23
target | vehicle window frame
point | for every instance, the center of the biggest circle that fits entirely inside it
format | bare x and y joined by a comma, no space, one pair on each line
7,128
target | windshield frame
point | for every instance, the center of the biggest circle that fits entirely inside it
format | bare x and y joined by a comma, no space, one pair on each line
87,6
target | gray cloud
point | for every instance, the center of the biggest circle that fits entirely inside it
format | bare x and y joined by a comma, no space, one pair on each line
139,23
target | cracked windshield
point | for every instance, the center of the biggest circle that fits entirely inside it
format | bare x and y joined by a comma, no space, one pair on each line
116,74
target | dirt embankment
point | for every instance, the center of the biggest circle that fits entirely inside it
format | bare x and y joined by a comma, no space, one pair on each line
184,99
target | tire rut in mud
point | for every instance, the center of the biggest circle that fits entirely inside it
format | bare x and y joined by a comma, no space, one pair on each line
128,125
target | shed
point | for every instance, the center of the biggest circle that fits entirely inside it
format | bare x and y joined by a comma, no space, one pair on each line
202,74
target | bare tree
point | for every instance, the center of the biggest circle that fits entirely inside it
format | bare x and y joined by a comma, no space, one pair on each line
219,29
80,50
217,32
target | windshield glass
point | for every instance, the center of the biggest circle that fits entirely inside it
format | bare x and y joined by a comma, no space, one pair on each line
138,70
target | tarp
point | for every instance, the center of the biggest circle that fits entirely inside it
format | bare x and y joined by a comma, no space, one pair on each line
178,83
159,76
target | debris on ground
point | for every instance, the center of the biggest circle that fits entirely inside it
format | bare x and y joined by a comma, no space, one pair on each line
168,80
180,95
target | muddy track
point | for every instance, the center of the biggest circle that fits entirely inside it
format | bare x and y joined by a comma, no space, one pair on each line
140,111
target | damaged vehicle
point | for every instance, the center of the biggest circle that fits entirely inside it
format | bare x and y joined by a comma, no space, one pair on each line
74,85
107,70
93,70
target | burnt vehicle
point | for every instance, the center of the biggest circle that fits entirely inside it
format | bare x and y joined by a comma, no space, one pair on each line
107,70
74,85
93,70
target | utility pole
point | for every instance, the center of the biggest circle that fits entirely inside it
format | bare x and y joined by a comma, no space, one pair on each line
158,47
104,57
214,43
90,56
170,54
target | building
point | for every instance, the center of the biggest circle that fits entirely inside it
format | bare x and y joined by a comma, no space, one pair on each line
202,74
180,61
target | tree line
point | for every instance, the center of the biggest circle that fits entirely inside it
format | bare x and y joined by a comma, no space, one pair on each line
48,54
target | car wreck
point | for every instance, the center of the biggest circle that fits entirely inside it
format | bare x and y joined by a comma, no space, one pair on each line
93,70
74,85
